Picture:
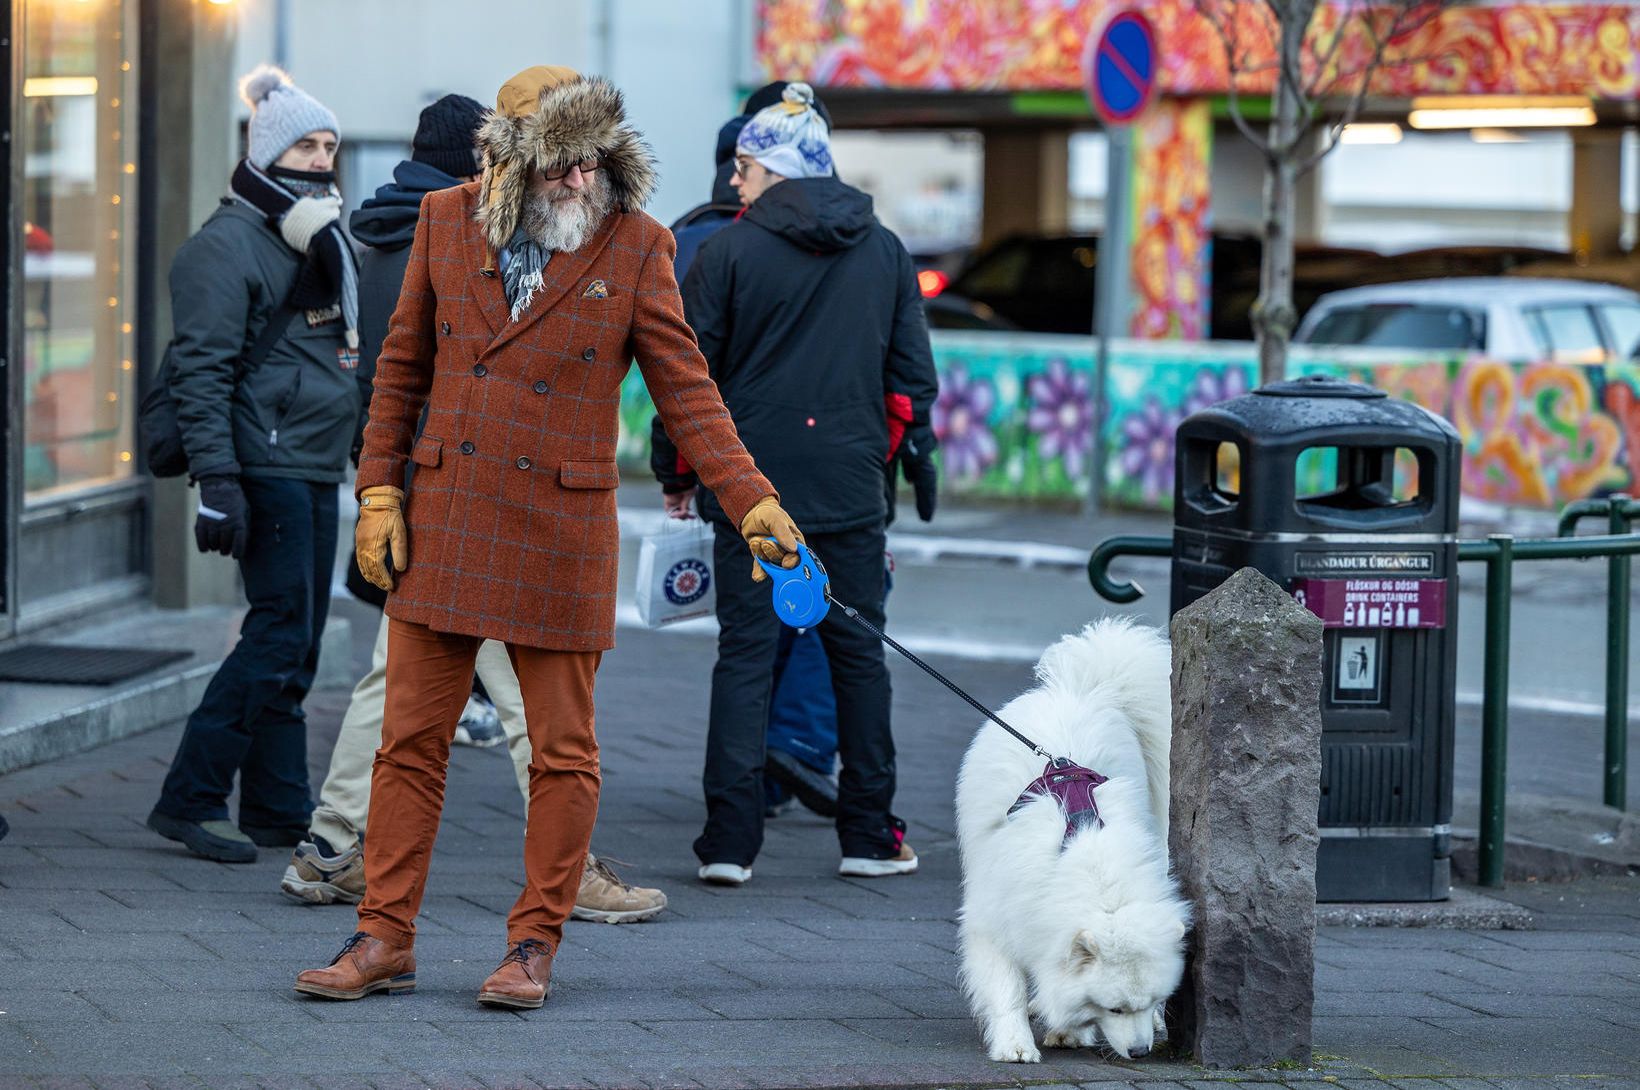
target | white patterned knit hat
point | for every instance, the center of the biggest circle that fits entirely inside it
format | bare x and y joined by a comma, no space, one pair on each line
281,114
789,138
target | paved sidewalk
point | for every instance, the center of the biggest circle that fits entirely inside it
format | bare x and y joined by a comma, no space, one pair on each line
126,963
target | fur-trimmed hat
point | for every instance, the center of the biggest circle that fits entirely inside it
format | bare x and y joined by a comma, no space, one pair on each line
548,117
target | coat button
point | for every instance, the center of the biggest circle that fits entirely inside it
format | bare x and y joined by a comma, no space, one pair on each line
540,386
523,463
466,447
589,353
446,328
480,370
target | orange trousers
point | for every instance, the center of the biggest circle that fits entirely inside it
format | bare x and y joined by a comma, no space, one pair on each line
429,676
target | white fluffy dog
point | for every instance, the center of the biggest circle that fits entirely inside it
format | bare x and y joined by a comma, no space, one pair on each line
1085,933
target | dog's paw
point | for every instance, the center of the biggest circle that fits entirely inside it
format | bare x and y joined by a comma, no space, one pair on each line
1015,1050
1071,1038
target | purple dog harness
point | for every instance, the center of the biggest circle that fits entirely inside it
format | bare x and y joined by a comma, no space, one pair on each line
1073,786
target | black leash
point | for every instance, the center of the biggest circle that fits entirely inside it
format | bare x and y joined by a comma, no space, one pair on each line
939,677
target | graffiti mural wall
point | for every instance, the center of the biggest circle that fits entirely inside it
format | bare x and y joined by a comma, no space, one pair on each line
1015,416
1172,155
1495,48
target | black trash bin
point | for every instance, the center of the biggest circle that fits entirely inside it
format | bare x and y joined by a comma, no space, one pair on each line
1299,480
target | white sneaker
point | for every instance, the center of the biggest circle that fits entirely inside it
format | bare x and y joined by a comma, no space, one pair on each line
856,867
725,874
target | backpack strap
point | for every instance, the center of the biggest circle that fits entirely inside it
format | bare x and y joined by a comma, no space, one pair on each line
278,322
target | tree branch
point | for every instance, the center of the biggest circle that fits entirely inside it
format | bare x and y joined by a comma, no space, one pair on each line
1218,18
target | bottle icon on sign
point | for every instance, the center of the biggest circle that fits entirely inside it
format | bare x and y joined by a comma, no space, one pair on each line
1349,614
1400,614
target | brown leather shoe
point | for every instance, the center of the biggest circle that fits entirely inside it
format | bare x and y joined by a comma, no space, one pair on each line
523,979
365,964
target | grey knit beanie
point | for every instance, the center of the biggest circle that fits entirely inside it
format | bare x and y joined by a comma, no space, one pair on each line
281,114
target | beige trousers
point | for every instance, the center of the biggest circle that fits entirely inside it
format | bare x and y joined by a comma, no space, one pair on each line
344,801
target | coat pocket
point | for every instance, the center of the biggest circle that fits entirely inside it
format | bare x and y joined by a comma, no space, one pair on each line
589,474
427,451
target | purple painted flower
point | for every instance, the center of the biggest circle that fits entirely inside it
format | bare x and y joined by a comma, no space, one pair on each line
1061,415
961,418
1147,448
1214,385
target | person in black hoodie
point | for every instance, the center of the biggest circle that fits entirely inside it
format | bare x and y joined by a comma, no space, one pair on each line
807,310
802,736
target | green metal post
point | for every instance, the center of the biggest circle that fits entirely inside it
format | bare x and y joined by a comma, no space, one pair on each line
1495,709
1617,663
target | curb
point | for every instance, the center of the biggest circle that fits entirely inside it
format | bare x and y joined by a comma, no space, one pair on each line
1465,910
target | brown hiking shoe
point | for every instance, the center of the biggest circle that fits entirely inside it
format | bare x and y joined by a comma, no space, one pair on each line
604,898
365,964
523,979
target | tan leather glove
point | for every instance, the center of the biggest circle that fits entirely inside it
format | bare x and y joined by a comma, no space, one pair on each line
771,534
381,530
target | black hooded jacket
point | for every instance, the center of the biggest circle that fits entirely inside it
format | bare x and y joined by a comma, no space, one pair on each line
385,224
807,310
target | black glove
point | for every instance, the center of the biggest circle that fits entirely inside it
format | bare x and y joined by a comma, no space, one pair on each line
223,522
916,458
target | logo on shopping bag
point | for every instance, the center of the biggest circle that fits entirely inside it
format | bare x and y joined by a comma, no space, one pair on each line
687,581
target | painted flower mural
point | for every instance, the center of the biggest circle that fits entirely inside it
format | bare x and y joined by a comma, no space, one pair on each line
1213,385
1061,415
962,420
1147,449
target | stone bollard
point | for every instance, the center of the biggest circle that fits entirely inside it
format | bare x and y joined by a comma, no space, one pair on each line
1246,790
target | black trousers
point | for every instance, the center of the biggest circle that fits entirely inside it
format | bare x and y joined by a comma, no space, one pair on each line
748,638
250,721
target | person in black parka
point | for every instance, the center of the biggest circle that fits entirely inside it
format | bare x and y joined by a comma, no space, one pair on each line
808,311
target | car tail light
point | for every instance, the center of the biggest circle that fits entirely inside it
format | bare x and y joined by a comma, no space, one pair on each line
932,282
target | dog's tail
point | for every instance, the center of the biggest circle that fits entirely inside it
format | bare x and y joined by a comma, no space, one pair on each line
1131,665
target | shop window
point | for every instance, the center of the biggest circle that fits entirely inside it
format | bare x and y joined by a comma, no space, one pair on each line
78,146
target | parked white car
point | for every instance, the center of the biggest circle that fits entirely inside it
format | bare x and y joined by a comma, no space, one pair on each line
1508,318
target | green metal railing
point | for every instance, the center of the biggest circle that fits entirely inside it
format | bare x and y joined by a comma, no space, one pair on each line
1620,511
1499,552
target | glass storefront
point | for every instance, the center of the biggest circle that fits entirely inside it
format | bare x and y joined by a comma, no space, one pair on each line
77,140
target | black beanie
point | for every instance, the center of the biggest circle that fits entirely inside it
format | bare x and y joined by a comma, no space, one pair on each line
770,93
445,136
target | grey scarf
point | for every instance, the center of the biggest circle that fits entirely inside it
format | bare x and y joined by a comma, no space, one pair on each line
523,263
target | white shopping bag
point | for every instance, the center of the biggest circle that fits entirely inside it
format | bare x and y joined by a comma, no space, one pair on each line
675,573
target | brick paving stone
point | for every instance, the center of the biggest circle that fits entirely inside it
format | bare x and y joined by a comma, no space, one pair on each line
184,967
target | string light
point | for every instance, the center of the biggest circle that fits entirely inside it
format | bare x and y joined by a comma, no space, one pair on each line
125,456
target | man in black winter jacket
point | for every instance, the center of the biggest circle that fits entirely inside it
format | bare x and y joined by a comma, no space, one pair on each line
267,444
808,311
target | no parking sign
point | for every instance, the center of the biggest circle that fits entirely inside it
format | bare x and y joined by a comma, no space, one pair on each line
1121,68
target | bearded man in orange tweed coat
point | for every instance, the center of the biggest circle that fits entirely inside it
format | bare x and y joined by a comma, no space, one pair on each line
528,294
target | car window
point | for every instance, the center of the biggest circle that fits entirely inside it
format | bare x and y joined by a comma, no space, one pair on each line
1401,325
1063,269
1001,272
1567,333
1623,321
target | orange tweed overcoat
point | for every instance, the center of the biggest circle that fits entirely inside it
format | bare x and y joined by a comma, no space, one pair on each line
511,511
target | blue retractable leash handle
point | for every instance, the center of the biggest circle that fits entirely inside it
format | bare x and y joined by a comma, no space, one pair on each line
802,598
802,594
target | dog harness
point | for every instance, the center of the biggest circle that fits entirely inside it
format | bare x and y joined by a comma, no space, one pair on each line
1073,786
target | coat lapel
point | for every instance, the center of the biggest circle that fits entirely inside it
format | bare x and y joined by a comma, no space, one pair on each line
563,272
486,287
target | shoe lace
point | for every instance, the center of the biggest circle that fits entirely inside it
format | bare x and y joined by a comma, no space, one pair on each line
600,866
348,946
524,951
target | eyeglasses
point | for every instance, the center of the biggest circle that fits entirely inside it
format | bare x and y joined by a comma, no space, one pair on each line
743,163
586,166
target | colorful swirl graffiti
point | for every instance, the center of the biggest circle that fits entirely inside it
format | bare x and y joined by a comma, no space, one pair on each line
1520,48
1172,145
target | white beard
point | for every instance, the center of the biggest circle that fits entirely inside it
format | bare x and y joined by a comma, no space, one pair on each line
564,226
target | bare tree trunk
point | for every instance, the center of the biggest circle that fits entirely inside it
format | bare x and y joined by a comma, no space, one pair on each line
1274,315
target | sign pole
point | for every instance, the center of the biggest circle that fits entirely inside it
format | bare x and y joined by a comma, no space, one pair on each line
1112,296
1120,66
